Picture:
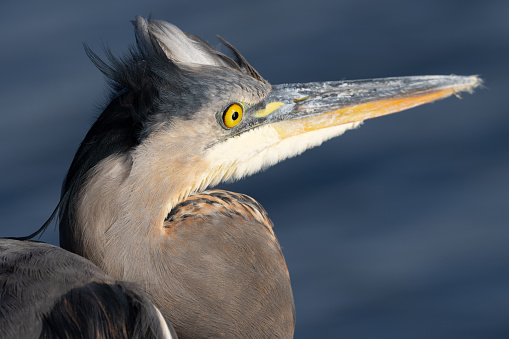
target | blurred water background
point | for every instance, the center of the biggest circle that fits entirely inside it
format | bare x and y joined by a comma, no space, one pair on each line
396,230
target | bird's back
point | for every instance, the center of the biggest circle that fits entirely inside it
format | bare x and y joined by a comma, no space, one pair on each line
47,292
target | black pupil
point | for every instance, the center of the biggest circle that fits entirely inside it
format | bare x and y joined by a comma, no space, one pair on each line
235,115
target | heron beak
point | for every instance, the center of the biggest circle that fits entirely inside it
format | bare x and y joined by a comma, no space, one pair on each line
293,109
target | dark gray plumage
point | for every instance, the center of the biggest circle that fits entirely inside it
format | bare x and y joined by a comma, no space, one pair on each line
48,292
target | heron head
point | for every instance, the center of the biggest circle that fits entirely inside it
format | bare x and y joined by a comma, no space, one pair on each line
182,108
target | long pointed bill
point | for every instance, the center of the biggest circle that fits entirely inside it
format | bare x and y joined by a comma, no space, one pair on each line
294,109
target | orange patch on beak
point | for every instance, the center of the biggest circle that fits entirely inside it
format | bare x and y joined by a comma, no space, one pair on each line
356,113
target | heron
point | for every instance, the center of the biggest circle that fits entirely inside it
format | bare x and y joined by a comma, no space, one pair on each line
183,117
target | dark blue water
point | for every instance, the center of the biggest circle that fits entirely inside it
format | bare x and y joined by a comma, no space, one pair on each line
399,229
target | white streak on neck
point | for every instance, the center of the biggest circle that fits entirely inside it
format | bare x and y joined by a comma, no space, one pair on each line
164,325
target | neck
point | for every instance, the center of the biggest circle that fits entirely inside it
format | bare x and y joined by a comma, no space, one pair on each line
123,203
213,268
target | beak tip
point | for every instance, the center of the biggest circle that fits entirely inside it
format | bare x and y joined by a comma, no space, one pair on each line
468,83
476,81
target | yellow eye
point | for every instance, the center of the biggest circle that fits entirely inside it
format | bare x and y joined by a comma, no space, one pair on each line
232,115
